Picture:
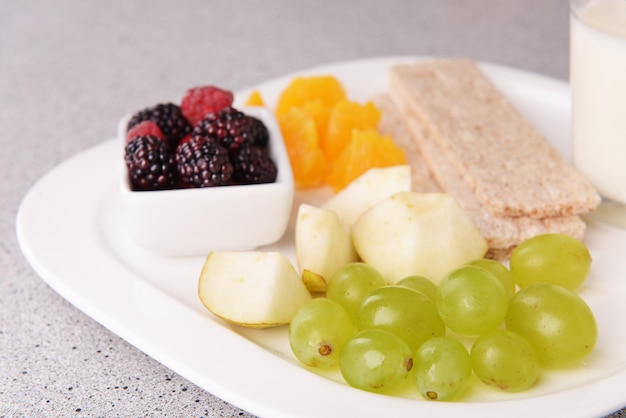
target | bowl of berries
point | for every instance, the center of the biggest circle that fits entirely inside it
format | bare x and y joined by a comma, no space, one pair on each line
203,175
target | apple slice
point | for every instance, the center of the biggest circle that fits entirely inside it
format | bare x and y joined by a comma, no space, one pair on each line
251,288
424,234
323,244
368,189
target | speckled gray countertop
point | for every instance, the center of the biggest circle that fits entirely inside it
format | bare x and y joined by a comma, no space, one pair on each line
69,69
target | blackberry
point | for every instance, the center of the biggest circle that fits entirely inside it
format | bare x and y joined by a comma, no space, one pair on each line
169,117
259,132
232,128
202,162
150,163
253,165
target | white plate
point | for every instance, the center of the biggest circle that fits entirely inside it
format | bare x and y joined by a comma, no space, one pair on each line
70,230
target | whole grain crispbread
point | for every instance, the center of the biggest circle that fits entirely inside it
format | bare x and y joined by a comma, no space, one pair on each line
503,234
493,147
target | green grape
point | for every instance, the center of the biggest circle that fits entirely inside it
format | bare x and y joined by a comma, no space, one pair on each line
404,312
500,271
421,284
505,360
551,258
557,323
351,283
318,331
471,300
375,360
441,369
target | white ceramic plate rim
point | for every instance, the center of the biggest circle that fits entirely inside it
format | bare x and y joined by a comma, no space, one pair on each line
68,229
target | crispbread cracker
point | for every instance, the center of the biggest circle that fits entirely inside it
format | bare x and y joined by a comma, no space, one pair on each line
507,163
503,234
391,123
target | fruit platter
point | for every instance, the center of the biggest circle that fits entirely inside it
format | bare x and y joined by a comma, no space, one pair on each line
156,301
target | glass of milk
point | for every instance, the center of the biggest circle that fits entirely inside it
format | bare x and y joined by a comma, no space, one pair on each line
598,82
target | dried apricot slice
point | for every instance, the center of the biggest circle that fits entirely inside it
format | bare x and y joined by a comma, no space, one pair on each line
367,149
346,116
301,139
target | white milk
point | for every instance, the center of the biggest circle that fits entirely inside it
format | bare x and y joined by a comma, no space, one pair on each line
598,79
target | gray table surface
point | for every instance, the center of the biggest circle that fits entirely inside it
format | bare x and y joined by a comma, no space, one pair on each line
70,68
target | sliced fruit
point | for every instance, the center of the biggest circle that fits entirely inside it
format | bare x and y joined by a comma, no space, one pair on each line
320,113
251,288
346,116
255,99
322,243
425,234
368,189
367,149
301,90
302,142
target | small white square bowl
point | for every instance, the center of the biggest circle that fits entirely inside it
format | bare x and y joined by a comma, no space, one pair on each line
191,222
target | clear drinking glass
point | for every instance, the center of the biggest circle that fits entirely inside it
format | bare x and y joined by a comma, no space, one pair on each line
598,82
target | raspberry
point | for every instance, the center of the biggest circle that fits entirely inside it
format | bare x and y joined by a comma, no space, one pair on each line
232,128
147,127
253,165
168,117
200,101
150,163
202,162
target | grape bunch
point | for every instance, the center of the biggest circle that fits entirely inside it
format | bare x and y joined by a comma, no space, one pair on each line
504,325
